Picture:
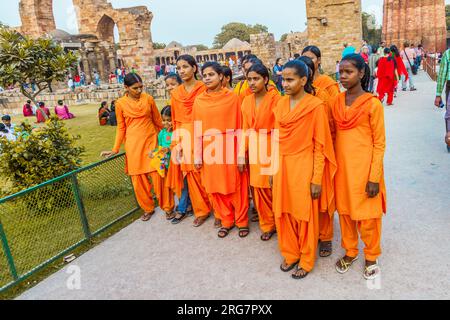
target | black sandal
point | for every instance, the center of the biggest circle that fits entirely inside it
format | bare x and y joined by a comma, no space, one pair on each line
266,236
244,232
299,277
224,232
325,249
181,218
289,268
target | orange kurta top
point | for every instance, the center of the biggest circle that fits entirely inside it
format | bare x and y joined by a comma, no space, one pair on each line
181,106
221,118
306,156
323,95
327,83
138,125
360,146
255,119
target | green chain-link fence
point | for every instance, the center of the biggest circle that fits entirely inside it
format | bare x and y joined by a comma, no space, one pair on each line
44,223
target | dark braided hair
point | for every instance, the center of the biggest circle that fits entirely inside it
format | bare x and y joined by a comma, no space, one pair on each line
302,70
312,68
228,73
361,65
166,111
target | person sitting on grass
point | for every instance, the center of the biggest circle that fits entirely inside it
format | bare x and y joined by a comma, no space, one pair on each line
103,113
28,109
42,113
62,111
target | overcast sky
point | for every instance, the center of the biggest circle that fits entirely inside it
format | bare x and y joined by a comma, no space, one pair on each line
199,21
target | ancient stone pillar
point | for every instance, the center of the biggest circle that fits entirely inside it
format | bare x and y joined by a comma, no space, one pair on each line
101,66
86,67
263,45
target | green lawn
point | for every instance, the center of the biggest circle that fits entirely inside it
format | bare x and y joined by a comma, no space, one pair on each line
94,137
35,234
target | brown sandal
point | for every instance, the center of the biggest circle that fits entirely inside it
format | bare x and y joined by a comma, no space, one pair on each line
170,215
217,223
268,235
147,216
325,249
244,232
199,221
224,232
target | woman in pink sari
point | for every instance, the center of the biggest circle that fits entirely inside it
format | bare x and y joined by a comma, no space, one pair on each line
28,109
62,111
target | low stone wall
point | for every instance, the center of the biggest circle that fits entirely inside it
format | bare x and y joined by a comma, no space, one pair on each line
11,102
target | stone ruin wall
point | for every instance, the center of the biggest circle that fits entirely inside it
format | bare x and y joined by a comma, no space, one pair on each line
417,21
98,17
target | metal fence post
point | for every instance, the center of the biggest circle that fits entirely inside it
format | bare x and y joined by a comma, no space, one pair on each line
8,254
81,208
134,193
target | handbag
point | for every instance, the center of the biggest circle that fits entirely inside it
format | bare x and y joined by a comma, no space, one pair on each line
413,67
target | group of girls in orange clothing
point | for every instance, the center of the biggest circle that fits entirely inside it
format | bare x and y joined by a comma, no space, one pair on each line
303,155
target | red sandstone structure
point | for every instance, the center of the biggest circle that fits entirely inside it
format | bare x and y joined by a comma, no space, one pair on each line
417,21
96,21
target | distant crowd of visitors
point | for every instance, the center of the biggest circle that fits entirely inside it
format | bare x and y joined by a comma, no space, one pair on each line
43,113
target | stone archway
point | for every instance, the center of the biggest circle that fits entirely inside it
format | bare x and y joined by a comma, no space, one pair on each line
37,17
105,29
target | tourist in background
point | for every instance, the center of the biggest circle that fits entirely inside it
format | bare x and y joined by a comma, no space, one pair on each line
112,119
112,78
158,71
336,74
365,54
380,50
103,113
278,74
28,109
83,78
5,133
42,113
96,78
6,119
62,111
71,84
387,77
443,81
348,49
408,56
402,73
373,59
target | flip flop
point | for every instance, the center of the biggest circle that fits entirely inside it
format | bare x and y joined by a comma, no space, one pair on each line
345,266
296,277
325,249
244,232
269,235
224,231
200,221
290,267
178,220
147,216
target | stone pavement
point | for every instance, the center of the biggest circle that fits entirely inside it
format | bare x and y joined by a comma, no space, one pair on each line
157,260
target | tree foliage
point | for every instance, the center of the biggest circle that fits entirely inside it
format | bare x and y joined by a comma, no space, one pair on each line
284,37
158,45
201,47
371,31
24,60
38,155
237,30
447,15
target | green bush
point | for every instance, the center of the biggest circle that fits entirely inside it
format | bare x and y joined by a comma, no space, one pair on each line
38,155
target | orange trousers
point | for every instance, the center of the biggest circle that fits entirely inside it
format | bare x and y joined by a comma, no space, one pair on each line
199,198
143,189
298,240
164,194
262,198
233,208
326,226
370,231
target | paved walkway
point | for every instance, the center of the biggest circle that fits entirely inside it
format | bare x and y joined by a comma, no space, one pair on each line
156,260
